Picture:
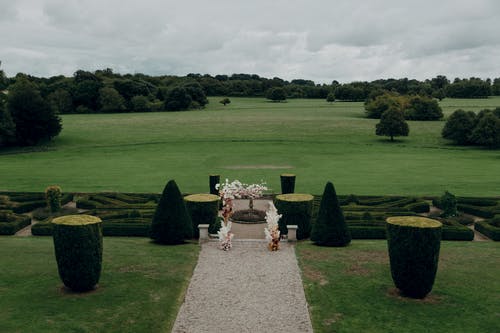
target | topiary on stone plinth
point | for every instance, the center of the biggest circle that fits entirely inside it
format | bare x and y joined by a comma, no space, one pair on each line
203,209
78,249
171,222
414,244
296,209
330,228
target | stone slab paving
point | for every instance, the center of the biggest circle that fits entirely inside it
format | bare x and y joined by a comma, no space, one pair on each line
245,289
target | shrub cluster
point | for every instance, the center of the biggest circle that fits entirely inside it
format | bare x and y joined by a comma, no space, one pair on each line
467,128
414,107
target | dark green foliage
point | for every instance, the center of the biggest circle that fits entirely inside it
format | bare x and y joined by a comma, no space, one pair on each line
203,212
330,228
276,94
225,101
177,99
423,108
448,203
376,107
78,250
7,125
468,88
392,123
489,229
487,131
296,212
459,126
28,206
212,181
365,232
10,223
414,255
171,222
110,100
287,183
32,115
140,104
53,196
61,102
330,98
482,202
485,212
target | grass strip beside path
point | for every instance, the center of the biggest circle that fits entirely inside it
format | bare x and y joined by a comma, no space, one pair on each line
350,290
141,287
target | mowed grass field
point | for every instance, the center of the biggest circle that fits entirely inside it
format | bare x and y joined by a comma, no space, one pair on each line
251,140
350,289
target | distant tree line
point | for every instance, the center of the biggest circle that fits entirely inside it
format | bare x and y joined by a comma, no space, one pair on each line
106,91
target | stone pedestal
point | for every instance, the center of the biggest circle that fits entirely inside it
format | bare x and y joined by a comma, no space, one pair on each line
203,228
292,233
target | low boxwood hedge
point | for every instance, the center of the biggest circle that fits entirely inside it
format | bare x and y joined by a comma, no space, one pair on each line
10,223
488,229
481,211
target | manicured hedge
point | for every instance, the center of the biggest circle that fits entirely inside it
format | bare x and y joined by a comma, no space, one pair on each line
78,249
367,232
10,223
203,209
296,209
487,229
485,212
414,244
116,201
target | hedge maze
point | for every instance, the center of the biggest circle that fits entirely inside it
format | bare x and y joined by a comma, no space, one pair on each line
366,215
130,214
122,214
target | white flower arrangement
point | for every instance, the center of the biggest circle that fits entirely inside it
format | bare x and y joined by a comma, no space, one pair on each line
225,236
238,190
272,231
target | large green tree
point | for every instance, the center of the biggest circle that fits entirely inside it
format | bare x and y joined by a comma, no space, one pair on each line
110,100
7,126
487,131
392,123
276,94
459,126
423,108
35,120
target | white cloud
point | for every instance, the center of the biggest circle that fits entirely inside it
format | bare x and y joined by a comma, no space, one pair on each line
321,40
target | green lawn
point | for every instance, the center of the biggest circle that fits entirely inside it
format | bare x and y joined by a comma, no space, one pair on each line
350,290
253,139
141,288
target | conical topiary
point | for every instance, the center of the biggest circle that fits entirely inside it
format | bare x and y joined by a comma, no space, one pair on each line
171,222
330,228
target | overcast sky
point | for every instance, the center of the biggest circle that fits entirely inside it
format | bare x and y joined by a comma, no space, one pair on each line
321,40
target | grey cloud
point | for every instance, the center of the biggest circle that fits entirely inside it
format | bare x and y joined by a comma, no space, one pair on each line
320,40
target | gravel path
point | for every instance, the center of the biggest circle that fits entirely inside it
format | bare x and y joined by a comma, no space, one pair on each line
246,289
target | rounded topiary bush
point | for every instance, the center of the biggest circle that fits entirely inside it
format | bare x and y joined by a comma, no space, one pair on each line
203,209
287,183
414,244
296,209
78,249
53,196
